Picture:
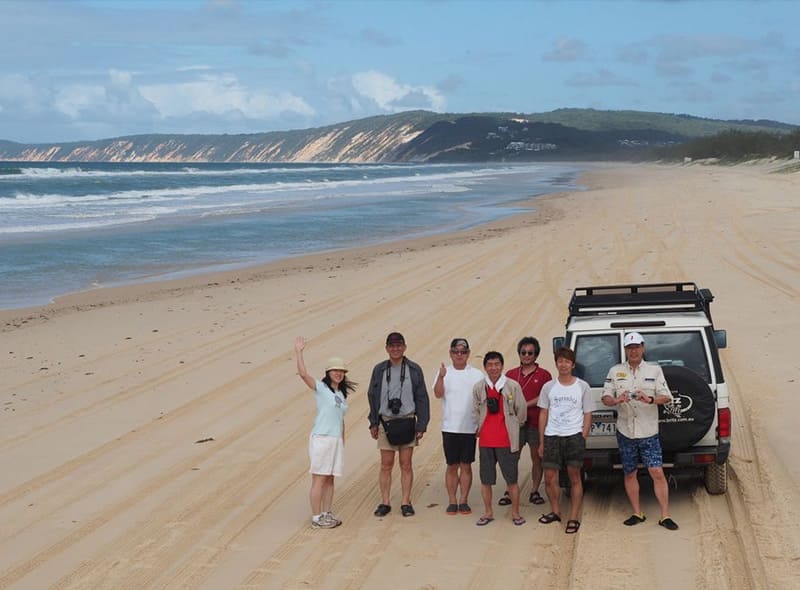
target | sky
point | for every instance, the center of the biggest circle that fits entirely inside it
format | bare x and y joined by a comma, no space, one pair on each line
73,70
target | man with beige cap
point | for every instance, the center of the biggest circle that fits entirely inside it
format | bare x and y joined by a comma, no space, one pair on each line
636,388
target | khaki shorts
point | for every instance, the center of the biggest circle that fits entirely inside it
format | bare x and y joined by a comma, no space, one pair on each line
385,445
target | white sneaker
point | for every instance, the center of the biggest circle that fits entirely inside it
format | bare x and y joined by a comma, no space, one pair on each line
323,522
332,518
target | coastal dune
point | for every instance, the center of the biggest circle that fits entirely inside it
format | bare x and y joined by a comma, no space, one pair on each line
155,436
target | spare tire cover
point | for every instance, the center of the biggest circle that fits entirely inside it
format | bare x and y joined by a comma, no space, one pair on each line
688,417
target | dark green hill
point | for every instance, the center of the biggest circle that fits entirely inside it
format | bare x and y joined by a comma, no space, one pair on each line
414,136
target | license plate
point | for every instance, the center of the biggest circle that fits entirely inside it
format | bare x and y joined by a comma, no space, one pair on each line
603,429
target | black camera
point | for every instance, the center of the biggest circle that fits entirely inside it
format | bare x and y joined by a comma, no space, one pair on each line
394,405
493,405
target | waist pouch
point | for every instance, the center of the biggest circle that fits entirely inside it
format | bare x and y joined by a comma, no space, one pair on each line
400,431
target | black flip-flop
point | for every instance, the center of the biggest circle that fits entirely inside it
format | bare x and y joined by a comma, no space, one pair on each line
548,518
505,500
536,498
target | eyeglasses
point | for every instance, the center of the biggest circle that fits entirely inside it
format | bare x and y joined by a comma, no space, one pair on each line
527,353
454,351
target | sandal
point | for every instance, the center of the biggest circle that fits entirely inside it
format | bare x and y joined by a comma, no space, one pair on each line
382,510
518,521
505,500
548,518
668,524
484,520
464,509
572,527
634,519
536,498
407,510
452,509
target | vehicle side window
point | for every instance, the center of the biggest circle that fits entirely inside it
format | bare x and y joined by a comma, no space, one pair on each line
682,349
595,355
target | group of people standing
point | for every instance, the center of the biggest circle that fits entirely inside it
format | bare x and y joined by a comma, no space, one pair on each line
497,412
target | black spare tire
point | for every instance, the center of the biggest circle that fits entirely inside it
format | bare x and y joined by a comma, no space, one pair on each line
687,419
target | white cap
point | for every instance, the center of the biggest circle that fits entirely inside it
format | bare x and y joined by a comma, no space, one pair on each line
632,338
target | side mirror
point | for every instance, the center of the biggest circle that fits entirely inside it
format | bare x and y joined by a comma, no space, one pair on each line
558,342
721,338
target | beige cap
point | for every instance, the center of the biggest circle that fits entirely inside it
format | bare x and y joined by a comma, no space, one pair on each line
336,363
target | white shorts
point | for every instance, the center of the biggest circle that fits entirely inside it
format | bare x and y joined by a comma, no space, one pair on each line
326,454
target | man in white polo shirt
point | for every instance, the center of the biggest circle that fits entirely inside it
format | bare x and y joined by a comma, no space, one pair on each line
635,388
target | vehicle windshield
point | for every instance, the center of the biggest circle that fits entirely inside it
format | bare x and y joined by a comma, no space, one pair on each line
597,353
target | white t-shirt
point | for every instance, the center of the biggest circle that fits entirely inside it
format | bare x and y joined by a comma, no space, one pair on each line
566,405
457,410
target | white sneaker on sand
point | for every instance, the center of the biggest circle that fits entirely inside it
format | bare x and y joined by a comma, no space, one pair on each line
332,518
323,522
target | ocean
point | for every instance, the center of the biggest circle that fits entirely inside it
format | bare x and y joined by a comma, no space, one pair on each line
67,227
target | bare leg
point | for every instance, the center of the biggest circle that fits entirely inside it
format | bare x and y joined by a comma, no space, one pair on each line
465,481
576,491
661,489
406,473
486,494
451,482
551,487
385,476
317,485
632,489
327,494
513,491
536,469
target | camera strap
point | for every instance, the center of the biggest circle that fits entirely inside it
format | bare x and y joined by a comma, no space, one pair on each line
402,376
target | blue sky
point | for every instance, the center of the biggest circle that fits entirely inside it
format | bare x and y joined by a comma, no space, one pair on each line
77,70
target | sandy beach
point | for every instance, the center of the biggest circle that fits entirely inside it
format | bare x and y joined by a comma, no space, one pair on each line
155,436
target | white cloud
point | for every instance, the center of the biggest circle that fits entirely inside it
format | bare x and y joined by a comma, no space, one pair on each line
19,92
566,49
390,95
221,95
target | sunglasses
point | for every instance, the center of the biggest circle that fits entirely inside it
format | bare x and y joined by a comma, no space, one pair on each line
454,351
527,353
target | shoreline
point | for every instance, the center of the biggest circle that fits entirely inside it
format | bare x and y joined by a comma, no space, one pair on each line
540,209
37,279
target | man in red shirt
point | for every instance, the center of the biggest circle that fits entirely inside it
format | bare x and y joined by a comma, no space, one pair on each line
500,409
531,378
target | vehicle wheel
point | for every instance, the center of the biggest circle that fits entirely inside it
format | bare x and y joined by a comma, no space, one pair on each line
716,478
687,419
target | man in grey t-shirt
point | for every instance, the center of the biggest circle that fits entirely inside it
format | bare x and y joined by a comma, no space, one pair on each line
396,390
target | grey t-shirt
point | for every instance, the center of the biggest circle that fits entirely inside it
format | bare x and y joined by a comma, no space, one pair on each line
393,389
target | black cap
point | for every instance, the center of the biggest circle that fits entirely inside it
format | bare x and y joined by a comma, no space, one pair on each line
395,338
459,342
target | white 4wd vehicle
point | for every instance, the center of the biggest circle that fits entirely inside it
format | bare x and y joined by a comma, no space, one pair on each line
675,321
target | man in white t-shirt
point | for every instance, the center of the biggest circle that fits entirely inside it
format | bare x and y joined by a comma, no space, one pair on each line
453,385
564,421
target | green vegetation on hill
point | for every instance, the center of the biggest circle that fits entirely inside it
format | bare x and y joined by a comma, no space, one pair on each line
684,125
737,146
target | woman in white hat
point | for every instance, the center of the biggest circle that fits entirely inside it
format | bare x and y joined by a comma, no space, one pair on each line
326,443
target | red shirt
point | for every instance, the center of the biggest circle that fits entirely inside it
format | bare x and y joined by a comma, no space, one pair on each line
531,384
493,432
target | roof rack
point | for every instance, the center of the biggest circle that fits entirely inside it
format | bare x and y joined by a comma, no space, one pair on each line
655,297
